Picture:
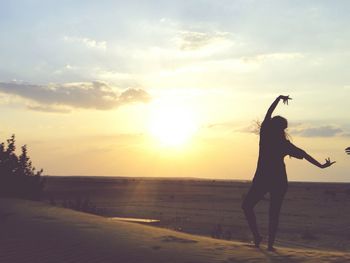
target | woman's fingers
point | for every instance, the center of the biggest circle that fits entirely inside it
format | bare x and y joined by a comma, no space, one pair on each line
286,99
329,162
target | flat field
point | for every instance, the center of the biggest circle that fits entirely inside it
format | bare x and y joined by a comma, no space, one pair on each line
314,215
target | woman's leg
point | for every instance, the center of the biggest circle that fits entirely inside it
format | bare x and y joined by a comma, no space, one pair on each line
276,199
254,195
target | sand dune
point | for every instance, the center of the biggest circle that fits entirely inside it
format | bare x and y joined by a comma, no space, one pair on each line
35,232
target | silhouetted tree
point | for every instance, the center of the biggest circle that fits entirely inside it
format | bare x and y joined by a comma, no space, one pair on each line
18,178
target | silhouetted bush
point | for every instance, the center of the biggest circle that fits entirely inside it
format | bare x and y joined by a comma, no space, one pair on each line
217,231
228,234
18,177
308,235
82,204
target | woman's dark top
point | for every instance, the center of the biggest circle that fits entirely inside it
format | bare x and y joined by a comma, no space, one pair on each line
271,170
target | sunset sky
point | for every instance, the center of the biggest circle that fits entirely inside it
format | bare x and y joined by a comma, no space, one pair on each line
173,88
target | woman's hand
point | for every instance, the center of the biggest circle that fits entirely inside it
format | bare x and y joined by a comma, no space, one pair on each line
285,99
274,105
327,163
347,150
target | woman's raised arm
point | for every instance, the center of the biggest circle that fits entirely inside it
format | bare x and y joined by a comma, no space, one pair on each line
274,105
347,150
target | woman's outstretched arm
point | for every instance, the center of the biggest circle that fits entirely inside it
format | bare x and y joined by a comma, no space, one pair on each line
347,150
274,105
316,163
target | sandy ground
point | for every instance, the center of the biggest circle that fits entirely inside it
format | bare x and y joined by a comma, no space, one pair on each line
35,232
314,215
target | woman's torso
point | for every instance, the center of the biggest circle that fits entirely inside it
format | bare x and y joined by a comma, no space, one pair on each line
272,150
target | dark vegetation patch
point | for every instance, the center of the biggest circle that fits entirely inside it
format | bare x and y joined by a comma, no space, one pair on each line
18,177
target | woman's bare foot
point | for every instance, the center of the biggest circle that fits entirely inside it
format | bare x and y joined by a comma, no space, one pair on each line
257,241
271,248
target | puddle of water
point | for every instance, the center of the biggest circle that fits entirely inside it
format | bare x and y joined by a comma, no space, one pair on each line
136,220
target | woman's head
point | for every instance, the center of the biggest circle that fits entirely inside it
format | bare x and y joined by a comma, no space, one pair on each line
279,123
278,126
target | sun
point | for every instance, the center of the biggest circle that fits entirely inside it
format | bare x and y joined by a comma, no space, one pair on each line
172,124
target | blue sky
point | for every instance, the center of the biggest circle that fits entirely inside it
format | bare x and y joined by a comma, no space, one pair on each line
65,61
46,34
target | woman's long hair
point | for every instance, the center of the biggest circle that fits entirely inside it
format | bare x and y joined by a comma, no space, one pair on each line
278,128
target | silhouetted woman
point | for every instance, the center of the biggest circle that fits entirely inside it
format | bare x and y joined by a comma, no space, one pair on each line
270,176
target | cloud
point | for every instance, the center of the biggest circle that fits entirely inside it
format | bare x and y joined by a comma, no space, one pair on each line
134,95
320,131
47,108
280,56
62,97
191,40
222,125
235,126
88,42
295,129
273,56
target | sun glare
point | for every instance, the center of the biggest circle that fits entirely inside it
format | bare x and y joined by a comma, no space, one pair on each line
172,125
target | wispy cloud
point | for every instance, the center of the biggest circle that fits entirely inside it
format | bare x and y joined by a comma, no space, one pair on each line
280,56
319,131
235,126
298,129
48,108
192,40
60,97
87,42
